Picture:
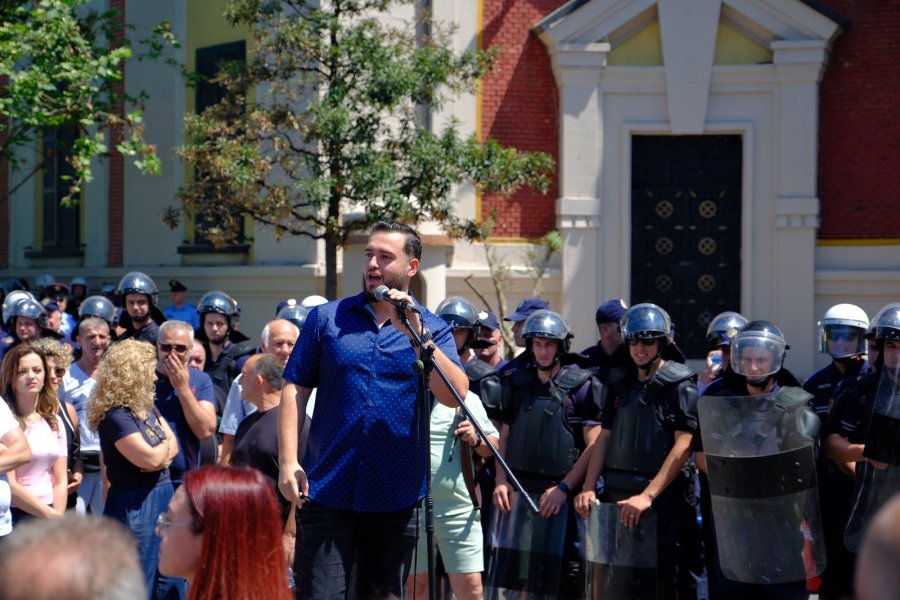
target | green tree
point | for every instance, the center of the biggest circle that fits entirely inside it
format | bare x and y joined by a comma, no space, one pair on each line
60,66
339,138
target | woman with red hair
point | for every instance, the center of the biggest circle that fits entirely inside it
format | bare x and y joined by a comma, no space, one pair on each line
222,534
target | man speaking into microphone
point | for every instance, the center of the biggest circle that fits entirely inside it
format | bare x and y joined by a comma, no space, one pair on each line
365,467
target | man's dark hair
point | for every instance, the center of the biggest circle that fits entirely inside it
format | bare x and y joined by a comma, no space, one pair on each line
413,244
269,367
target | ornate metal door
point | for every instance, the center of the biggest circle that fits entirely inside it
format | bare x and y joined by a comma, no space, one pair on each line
686,230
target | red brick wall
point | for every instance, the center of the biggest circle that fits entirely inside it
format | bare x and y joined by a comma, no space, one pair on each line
520,108
859,131
116,186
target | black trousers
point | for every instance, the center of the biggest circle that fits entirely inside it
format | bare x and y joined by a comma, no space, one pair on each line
343,554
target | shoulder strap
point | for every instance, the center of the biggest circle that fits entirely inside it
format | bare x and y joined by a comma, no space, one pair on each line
572,379
477,370
673,372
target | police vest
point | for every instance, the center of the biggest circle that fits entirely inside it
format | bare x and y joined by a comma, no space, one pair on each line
485,382
540,436
639,443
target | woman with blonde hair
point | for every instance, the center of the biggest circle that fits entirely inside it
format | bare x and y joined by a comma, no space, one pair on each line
137,446
39,486
59,357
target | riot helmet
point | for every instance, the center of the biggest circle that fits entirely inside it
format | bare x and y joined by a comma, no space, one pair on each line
31,308
723,327
15,283
138,283
549,325
646,322
887,323
10,301
758,351
294,313
842,331
311,301
97,306
218,302
461,315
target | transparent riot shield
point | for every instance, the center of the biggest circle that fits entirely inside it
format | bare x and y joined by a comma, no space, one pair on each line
527,553
762,480
620,561
879,478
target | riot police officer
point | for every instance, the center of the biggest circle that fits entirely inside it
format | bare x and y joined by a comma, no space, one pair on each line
721,331
860,434
842,335
142,317
753,539
25,319
226,348
483,378
549,420
646,438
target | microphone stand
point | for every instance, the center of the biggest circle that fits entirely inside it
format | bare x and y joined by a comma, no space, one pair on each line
425,365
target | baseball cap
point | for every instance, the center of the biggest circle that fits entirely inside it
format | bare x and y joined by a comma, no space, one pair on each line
611,311
176,286
525,308
488,319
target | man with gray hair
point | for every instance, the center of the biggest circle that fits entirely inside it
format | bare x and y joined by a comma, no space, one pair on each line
278,339
184,396
76,387
76,557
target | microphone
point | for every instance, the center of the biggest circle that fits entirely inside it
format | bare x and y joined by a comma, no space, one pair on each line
381,294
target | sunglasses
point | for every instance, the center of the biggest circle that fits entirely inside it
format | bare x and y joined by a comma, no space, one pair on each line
647,342
163,523
178,348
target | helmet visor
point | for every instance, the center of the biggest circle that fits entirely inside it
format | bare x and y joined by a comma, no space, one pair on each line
755,357
841,341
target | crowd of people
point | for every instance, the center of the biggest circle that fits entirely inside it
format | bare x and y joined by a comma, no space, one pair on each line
298,464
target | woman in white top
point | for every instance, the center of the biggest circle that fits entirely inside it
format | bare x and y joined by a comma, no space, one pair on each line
14,452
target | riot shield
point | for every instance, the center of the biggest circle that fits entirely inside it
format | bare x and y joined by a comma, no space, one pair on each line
762,480
875,485
526,553
620,561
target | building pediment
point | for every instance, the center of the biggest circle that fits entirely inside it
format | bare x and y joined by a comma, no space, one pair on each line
616,21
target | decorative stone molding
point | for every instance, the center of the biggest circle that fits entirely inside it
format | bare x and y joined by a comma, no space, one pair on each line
797,213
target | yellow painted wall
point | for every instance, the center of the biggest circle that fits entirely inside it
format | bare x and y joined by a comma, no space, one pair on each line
735,48
645,49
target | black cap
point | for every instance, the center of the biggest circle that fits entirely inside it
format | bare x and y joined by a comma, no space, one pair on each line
177,286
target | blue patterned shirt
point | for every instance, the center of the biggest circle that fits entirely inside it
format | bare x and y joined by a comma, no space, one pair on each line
362,452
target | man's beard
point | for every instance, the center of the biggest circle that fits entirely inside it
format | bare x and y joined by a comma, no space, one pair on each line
141,319
397,283
219,340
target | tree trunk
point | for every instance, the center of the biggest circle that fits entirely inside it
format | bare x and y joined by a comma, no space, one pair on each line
331,247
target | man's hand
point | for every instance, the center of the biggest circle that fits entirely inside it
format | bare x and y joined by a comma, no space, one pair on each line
293,484
552,501
74,481
177,371
415,321
632,508
503,497
584,502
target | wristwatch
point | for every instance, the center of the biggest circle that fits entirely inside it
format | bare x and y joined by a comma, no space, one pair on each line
426,337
